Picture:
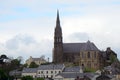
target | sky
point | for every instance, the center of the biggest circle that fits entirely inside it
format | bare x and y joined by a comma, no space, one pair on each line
27,26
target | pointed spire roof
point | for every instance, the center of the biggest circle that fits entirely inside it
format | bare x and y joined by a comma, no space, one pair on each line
58,20
58,30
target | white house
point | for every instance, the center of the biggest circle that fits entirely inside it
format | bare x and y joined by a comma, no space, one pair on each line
70,73
54,71
29,72
49,71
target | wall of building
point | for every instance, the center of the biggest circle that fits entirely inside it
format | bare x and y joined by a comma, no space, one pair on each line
29,74
48,73
89,59
39,61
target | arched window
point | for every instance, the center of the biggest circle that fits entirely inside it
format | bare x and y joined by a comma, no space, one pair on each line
59,39
82,55
95,55
82,65
88,55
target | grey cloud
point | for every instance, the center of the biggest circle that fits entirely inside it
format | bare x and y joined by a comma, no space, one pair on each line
25,46
78,36
19,39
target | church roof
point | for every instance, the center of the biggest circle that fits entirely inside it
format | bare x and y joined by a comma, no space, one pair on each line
77,47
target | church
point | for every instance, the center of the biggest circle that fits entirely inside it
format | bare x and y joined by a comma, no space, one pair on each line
83,54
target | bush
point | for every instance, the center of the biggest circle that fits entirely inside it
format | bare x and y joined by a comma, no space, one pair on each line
40,78
89,70
27,78
3,75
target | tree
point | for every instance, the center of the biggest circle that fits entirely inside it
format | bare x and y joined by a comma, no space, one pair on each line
40,78
27,78
20,58
113,58
25,65
33,65
89,69
3,75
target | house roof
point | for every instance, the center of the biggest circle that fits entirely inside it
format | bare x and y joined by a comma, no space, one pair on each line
72,69
15,72
51,66
29,70
37,59
71,75
77,47
114,70
105,77
91,75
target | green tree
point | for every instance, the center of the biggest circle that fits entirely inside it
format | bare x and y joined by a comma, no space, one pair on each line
40,78
113,58
33,65
27,78
25,65
3,75
89,69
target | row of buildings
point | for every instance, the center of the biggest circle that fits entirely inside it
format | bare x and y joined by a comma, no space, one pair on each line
61,72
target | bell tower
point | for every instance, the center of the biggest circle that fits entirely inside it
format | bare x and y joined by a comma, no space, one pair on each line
58,44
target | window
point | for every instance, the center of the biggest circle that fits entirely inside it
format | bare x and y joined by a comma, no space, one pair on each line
51,71
82,55
83,65
59,39
41,72
51,76
95,55
88,54
47,72
59,71
55,71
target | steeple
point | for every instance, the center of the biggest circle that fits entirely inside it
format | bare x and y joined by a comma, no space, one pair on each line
58,44
57,20
58,30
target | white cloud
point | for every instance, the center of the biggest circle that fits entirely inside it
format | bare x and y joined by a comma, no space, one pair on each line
99,20
25,46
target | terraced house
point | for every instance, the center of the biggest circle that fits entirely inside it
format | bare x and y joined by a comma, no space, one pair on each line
50,71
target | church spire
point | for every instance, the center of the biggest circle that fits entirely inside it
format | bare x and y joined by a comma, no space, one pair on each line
58,20
58,44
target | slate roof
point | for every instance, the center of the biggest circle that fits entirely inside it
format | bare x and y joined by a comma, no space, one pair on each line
80,75
71,75
51,66
72,69
29,70
77,47
114,70
105,77
91,75
36,59
15,72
